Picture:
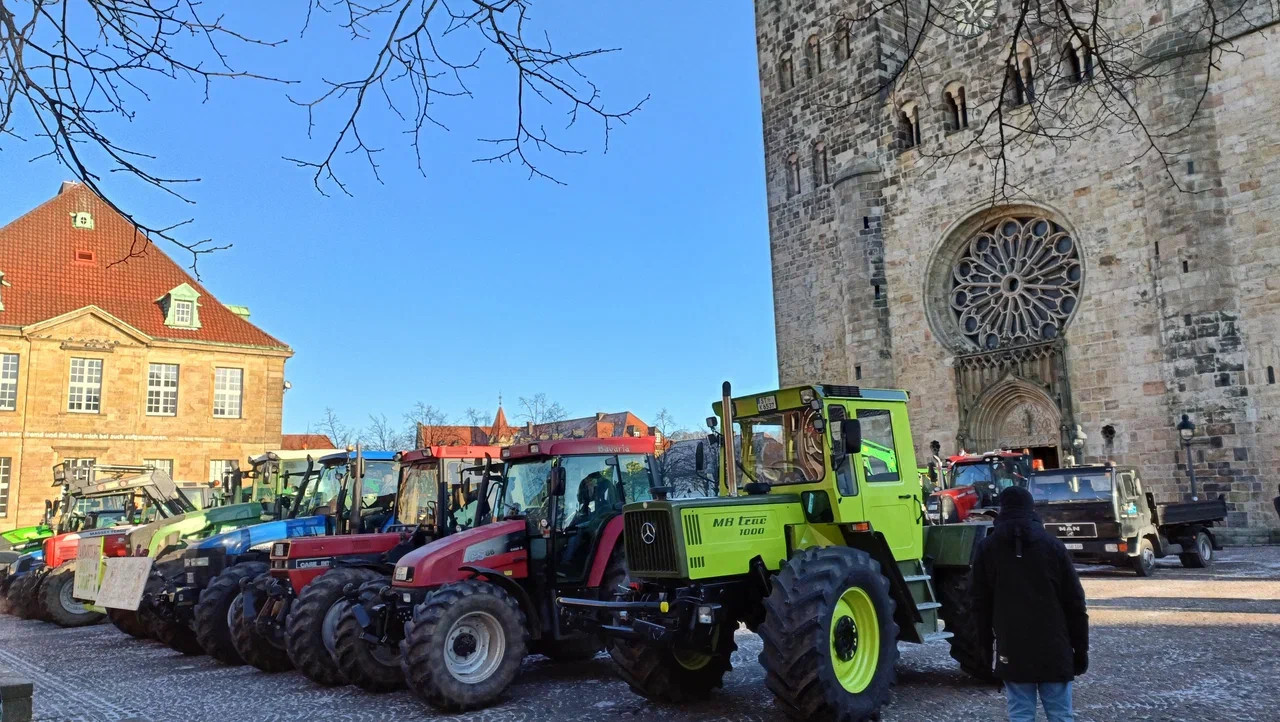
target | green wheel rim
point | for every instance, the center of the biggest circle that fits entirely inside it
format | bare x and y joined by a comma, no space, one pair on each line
691,661
855,640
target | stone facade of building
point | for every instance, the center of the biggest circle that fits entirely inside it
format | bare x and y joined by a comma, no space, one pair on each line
1137,300
105,361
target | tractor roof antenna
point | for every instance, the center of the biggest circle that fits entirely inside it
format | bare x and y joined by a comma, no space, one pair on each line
730,462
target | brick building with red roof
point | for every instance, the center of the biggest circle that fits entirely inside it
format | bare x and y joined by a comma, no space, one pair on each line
501,433
109,351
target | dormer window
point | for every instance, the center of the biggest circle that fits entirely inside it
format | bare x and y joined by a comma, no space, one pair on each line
181,307
183,312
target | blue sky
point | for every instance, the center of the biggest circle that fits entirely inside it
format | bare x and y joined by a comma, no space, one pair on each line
639,285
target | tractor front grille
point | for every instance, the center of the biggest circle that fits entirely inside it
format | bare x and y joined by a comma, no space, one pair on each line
651,543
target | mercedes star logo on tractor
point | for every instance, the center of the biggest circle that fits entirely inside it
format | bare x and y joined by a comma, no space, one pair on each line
648,532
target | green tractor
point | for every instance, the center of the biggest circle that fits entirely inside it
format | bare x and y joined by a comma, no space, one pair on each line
820,552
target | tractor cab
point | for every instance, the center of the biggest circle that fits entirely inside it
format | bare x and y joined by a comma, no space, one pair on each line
972,482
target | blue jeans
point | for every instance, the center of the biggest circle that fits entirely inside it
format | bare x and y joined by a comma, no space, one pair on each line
1055,696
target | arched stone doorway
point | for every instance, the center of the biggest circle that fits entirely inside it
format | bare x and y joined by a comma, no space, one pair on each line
1015,413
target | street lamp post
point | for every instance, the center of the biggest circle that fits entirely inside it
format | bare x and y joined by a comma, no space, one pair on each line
1187,429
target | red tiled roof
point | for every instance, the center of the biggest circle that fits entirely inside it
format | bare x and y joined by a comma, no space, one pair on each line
302,442
602,426
38,256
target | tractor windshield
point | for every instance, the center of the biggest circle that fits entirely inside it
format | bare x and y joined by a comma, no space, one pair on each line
1067,485
418,494
526,485
782,448
323,491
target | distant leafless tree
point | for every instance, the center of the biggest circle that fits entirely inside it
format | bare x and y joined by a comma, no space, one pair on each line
539,410
72,73
426,422
475,417
330,425
383,435
1062,72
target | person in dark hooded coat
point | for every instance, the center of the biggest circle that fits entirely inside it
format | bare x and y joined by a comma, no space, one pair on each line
1030,611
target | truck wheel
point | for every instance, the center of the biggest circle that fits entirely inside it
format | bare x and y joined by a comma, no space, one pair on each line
954,592
313,623
464,645
1201,554
253,647
211,617
1144,564
60,607
371,667
830,641
128,622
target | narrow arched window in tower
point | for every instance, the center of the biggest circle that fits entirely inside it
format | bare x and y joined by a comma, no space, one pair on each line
1271,374
813,56
1071,70
1015,90
793,175
952,110
964,107
1086,60
1028,79
915,125
786,74
906,129
842,40
820,171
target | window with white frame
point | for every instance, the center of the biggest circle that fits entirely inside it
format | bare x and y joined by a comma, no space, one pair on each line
6,467
228,385
8,381
183,312
162,390
217,467
78,467
165,465
84,387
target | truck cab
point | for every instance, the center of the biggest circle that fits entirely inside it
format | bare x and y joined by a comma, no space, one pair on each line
1103,514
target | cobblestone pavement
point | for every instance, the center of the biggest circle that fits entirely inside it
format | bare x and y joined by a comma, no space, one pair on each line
1182,645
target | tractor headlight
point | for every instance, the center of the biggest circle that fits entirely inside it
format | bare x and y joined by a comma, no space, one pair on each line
196,562
408,598
279,550
191,577
1113,547
704,615
403,574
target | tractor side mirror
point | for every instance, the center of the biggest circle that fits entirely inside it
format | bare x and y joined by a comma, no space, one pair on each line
700,458
557,480
851,434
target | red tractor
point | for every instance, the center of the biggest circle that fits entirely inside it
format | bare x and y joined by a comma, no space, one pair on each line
971,483
457,616
286,617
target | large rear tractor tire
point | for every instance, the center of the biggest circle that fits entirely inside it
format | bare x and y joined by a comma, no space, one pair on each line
954,592
254,647
128,622
59,606
212,616
22,595
664,674
170,632
830,641
371,667
1201,553
312,625
464,645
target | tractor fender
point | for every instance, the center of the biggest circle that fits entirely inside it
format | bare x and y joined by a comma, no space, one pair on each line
905,612
509,585
604,549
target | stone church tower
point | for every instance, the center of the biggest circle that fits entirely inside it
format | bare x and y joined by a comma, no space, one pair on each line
1082,308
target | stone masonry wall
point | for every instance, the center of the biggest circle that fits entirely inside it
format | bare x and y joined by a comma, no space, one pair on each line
41,432
1152,339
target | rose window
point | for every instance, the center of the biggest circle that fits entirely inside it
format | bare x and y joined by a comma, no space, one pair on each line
1017,282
